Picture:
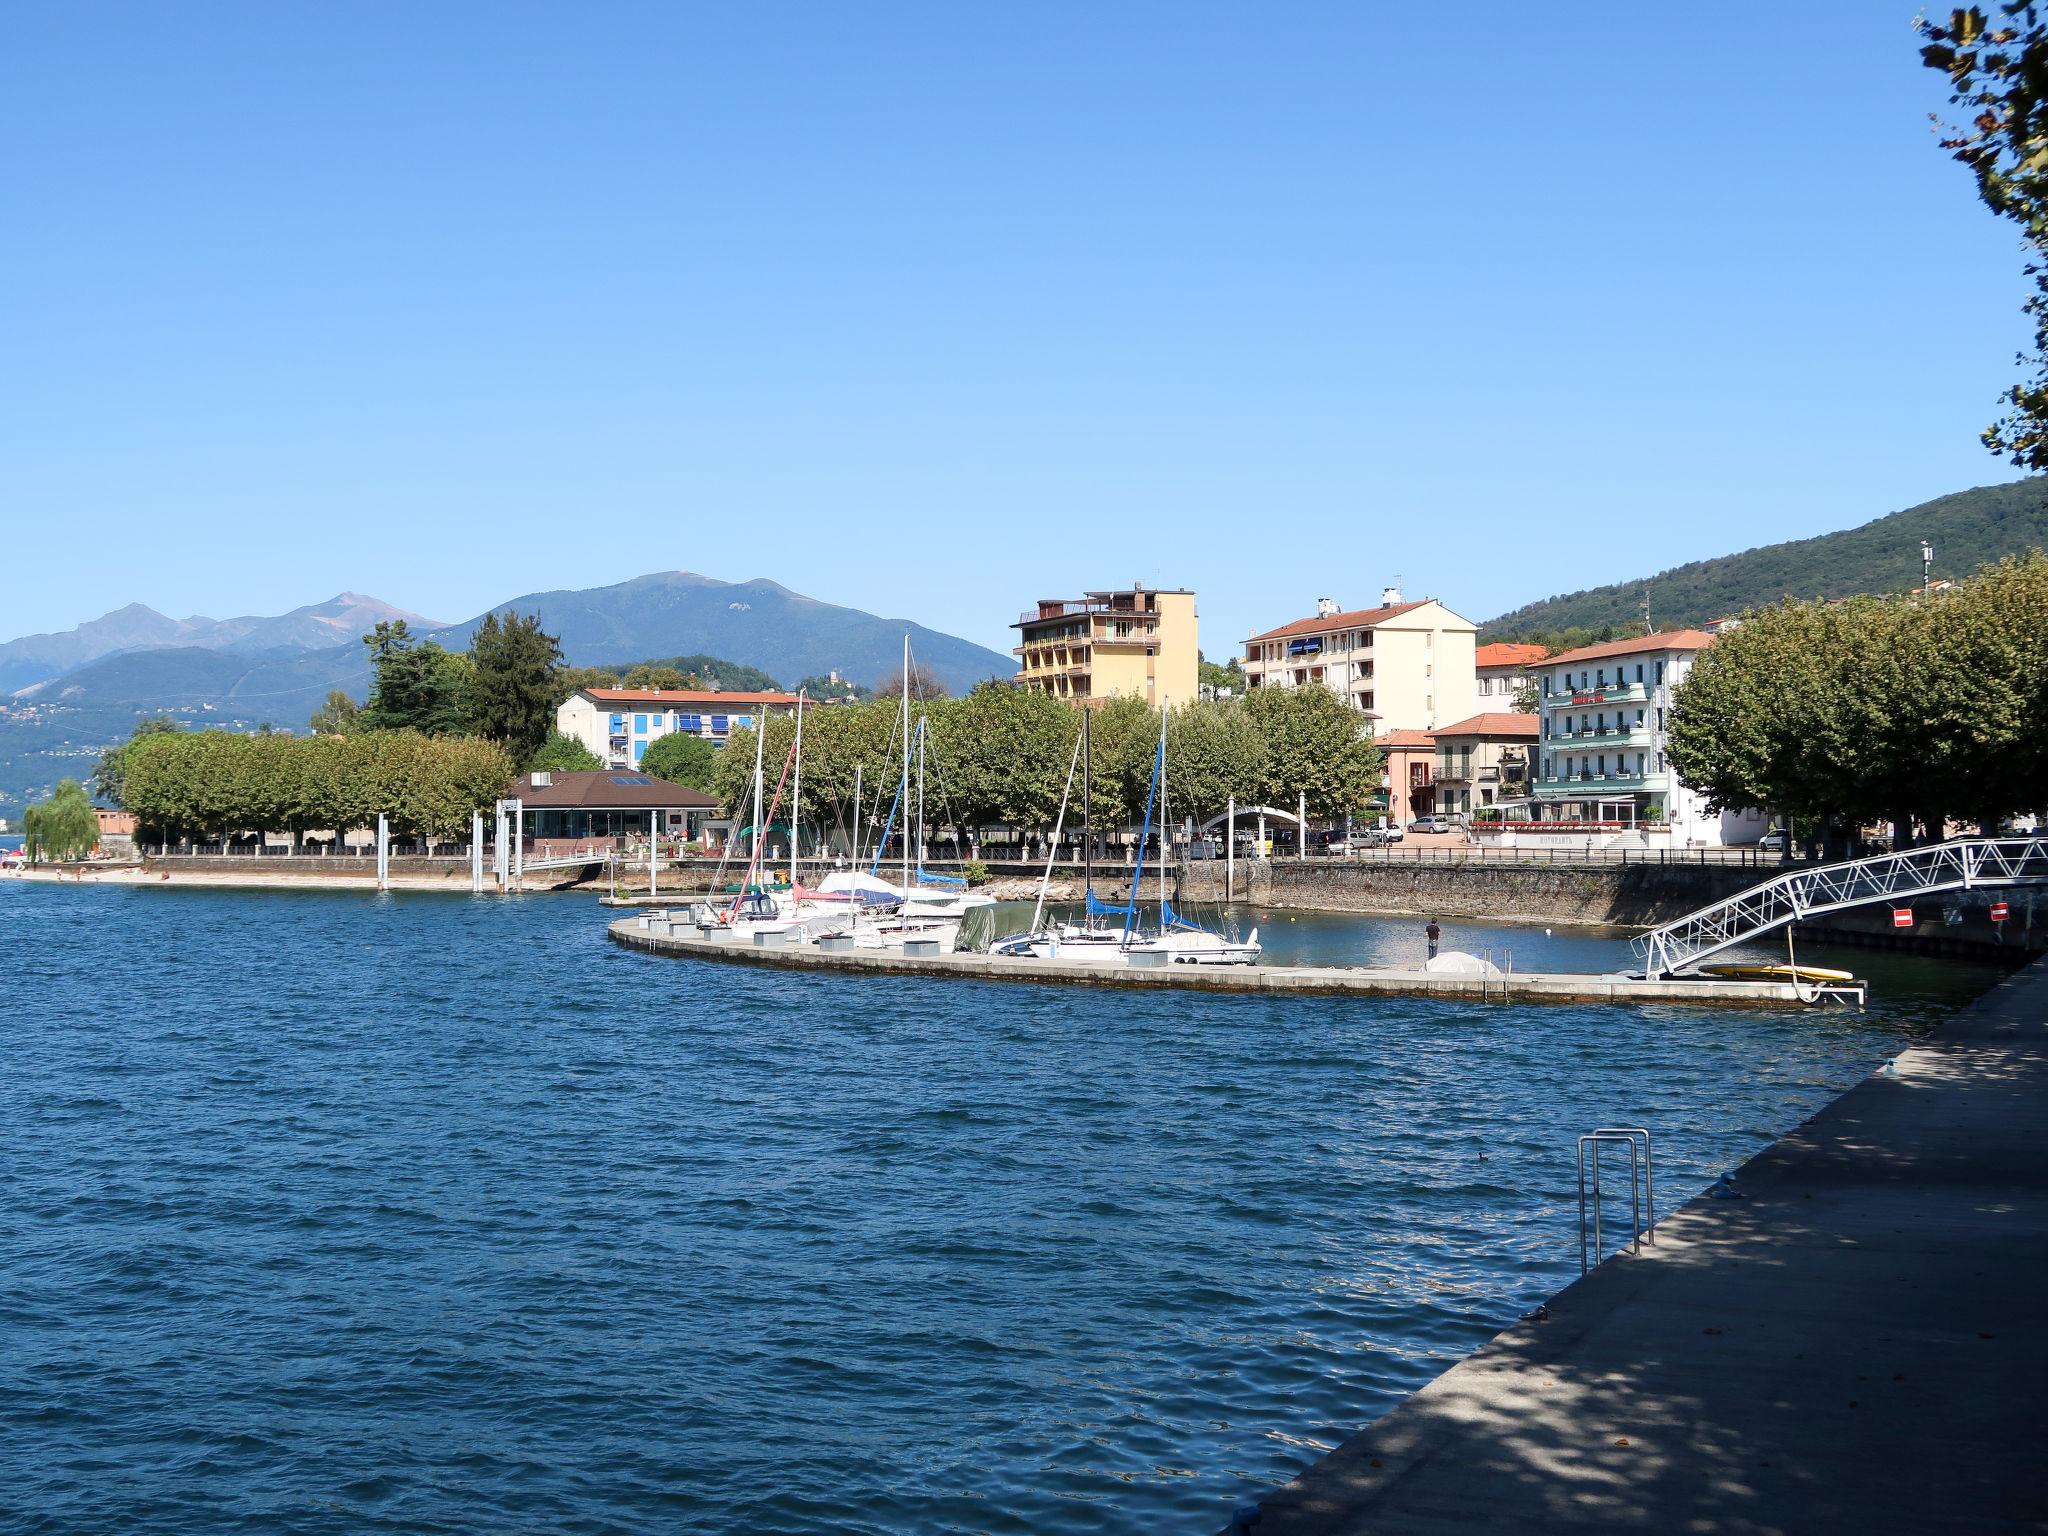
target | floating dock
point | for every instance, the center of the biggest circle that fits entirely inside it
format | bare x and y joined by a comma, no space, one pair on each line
652,932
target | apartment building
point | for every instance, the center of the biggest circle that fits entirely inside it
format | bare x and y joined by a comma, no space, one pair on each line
618,723
1605,713
1484,761
1142,642
1407,665
1501,670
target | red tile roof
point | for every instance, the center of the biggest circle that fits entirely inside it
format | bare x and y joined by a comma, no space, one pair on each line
1674,640
1405,739
609,789
1357,618
683,696
1510,723
1506,653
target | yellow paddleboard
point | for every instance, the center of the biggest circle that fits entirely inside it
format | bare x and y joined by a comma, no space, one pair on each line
1777,973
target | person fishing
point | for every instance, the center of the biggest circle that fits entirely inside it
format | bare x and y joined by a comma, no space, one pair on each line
1433,934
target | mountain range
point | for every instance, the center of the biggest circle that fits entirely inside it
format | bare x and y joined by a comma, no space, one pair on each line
65,696
1967,529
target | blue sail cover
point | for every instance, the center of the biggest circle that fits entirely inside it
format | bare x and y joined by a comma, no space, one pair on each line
1100,908
883,844
926,877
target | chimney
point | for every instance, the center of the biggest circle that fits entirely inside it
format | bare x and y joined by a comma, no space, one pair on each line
1325,606
1389,596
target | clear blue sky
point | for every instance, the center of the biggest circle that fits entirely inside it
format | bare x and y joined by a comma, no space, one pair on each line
934,310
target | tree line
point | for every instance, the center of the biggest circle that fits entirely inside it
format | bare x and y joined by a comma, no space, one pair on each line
213,784
1848,713
999,755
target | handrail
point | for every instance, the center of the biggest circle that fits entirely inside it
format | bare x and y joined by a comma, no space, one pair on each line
1958,865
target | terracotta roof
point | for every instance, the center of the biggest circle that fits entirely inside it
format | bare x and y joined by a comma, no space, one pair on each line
1506,653
1405,739
683,696
1494,723
1675,640
609,789
1357,618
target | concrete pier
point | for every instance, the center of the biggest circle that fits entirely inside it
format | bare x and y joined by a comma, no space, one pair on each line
1856,1344
1554,987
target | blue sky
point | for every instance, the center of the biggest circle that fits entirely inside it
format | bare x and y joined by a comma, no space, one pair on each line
934,310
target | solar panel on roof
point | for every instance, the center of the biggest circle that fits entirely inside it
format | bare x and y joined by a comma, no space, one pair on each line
631,778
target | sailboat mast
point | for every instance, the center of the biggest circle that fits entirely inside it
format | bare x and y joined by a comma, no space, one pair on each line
796,789
856,815
923,724
1087,802
906,758
1162,815
760,742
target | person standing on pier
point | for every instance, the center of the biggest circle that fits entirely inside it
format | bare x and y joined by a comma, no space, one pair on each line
1433,934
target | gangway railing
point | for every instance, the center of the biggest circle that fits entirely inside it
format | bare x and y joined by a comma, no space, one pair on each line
1958,865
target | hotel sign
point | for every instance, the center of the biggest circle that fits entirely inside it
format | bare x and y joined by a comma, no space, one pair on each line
1590,698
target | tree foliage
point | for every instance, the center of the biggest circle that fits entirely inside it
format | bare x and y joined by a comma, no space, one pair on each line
111,772
563,754
1998,75
417,685
512,692
924,684
680,758
1315,746
1869,710
61,827
338,716
213,784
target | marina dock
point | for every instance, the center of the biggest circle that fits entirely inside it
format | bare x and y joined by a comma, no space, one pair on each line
1849,1345
649,931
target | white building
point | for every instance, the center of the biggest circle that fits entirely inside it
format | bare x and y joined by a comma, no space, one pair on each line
618,723
1407,665
1602,762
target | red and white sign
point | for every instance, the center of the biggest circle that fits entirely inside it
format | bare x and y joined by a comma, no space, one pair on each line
2000,912
1902,917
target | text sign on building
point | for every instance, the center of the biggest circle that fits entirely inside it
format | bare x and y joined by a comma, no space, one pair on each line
1590,698
1902,917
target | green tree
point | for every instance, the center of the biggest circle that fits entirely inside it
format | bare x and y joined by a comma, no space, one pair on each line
109,775
514,693
1221,675
1998,75
1316,745
569,680
822,685
417,685
61,827
563,754
924,684
654,674
1214,752
338,716
681,759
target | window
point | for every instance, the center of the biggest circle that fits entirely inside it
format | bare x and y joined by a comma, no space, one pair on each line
694,724
1660,674
618,725
1639,671
1603,765
718,725
1603,677
639,725
639,750
1660,717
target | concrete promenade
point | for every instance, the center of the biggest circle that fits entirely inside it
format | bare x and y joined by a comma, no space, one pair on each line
1858,1344
1293,980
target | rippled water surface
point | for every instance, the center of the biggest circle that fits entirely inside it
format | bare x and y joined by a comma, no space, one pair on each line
331,1212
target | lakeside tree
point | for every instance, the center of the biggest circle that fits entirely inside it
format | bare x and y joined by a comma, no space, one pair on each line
215,784
110,773
1873,710
513,692
562,754
1317,746
337,716
1998,75
680,759
924,684
417,684
61,827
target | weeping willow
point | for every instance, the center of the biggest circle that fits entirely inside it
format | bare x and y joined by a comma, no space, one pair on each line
61,827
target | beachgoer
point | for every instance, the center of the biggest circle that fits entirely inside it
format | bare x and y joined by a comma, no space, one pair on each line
1433,934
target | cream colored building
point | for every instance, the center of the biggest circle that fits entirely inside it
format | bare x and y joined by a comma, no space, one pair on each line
618,723
1139,642
1408,665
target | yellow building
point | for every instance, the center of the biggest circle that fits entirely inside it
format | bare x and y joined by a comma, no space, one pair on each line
1138,642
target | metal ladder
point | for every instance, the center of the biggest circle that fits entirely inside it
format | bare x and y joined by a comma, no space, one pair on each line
1642,1194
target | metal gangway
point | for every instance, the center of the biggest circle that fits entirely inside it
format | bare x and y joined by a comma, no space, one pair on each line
1961,865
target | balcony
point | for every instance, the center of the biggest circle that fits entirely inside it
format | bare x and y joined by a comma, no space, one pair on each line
1613,693
1632,735
1420,776
1605,783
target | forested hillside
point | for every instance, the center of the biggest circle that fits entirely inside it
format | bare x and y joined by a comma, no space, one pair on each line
1967,529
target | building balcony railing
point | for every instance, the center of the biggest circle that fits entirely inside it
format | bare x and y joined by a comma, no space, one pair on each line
1613,693
1617,783
1613,733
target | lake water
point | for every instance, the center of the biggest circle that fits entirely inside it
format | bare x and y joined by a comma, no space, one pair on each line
335,1212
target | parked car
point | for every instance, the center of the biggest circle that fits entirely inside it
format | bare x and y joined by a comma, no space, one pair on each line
1390,833
1774,841
1430,824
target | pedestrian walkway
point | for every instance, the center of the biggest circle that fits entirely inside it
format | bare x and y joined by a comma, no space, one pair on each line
1857,1344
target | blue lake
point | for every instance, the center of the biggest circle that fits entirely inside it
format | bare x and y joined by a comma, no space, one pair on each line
335,1212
